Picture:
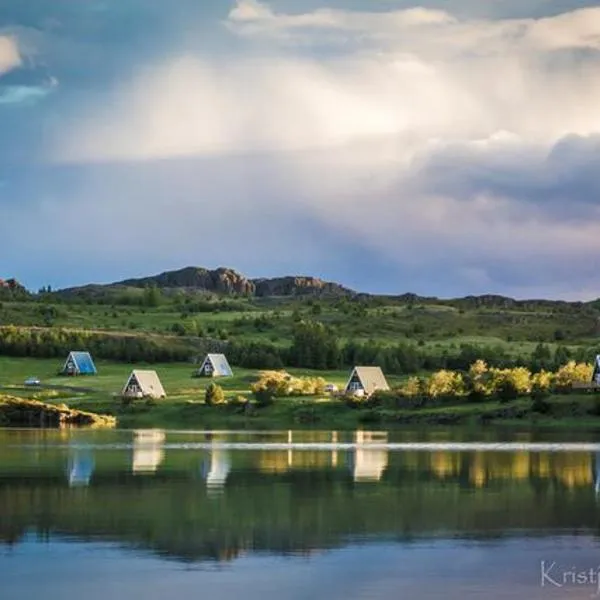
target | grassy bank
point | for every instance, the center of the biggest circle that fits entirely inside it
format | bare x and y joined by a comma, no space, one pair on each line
184,406
562,412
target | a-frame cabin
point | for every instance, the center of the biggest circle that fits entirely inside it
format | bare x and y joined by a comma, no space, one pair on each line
79,363
214,365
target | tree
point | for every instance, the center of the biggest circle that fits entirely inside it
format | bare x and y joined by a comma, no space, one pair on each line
152,296
478,379
314,346
412,388
572,373
214,394
445,383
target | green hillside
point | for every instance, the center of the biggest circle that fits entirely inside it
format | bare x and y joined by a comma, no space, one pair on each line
304,323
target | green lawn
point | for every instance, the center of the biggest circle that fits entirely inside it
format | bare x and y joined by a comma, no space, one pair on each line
176,377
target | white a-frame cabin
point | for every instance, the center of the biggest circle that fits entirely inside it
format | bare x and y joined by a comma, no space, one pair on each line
366,380
214,365
143,384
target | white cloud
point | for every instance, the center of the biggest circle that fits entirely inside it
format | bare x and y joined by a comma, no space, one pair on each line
421,146
9,54
505,76
425,31
26,95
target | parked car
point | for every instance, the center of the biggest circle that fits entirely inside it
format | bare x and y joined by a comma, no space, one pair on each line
331,387
32,381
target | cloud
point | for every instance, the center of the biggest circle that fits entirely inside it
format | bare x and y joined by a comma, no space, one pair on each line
461,153
424,30
9,54
508,76
26,95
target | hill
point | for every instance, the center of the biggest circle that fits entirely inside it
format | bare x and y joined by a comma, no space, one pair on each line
225,281
299,322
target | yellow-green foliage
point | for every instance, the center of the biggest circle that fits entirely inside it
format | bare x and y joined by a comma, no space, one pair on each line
519,379
485,381
412,387
542,380
572,373
281,383
445,383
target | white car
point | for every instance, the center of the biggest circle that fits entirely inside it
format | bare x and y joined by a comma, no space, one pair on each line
32,381
330,387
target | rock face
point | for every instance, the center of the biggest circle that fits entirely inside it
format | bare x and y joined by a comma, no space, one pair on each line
229,282
297,286
220,281
11,284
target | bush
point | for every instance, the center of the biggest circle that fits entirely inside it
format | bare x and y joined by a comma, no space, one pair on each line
264,396
214,394
506,390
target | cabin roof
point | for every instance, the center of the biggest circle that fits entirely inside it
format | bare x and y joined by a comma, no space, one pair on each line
371,378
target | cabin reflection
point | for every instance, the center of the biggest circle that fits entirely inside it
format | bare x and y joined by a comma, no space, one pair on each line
80,467
148,450
215,469
368,464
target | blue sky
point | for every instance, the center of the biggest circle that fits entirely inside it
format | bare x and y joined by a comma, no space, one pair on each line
444,148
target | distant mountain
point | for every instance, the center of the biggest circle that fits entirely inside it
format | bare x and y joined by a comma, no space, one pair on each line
229,282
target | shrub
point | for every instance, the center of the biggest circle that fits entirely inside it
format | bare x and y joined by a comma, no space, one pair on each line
445,383
238,403
214,394
506,390
264,396
572,373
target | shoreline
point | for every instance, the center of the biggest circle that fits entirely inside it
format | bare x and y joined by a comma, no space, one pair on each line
564,412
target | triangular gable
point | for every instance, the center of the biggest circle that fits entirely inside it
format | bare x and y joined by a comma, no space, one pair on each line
219,365
80,362
131,380
353,375
596,372
71,362
370,378
147,382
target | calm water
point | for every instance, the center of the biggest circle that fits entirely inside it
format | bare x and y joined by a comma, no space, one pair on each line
134,514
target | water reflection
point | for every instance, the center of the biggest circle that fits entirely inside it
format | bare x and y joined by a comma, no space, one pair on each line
211,502
148,452
215,468
80,467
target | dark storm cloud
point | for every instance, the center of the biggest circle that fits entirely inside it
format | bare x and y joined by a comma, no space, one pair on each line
563,184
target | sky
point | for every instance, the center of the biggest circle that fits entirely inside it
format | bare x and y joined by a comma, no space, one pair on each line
447,147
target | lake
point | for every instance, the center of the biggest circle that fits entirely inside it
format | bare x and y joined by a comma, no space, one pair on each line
429,513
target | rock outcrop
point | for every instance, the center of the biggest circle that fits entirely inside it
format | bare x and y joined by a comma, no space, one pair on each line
229,282
32,413
220,281
298,286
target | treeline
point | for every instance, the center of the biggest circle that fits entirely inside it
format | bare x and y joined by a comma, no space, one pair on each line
315,346
312,346
52,343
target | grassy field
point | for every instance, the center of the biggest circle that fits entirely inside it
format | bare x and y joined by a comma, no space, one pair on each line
185,407
436,325
176,377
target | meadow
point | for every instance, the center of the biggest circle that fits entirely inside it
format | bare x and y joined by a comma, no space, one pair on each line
185,405
308,335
